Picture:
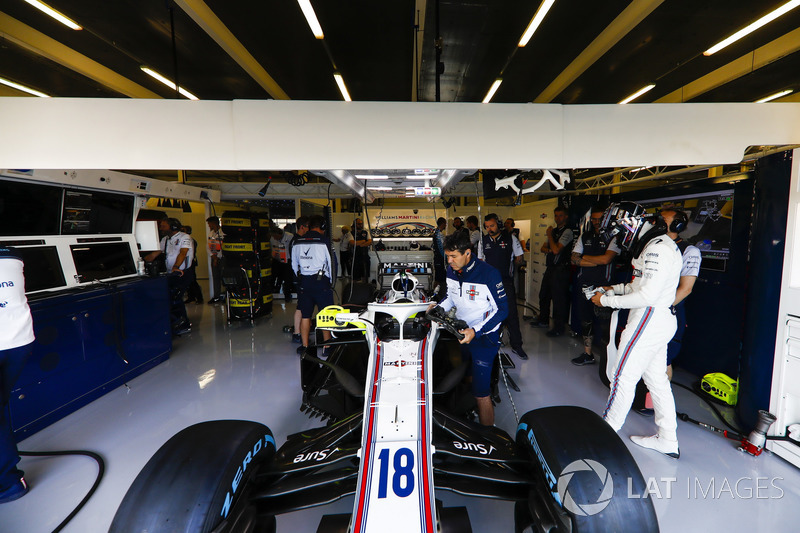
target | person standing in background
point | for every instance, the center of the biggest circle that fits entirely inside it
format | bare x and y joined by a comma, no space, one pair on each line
439,266
555,282
346,243
16,345
215,238
193,293
361,269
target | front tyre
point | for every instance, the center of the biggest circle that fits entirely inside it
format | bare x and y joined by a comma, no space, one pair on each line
586,474
198,482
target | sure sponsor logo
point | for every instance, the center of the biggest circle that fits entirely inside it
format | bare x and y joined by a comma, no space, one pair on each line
474,447
317,455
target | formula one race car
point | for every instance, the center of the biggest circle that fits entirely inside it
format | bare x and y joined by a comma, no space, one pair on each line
390,385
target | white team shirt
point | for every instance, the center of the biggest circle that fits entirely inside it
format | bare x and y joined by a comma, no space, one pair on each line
691,261
15,315
171,246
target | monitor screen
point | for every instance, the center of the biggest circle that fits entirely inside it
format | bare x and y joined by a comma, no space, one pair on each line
29,208
42,268
102,261
96,212
710,216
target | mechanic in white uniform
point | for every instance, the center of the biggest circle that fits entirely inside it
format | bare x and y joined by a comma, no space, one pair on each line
642,351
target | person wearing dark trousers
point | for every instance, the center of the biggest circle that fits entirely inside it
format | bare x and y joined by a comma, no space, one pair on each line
193,293
311,260
346,244
177,248
439,265
16,345
555,282
282,276
502,250
215,238
595,257
362,267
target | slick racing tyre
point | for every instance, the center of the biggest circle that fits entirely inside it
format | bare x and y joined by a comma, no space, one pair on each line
199,482
586,474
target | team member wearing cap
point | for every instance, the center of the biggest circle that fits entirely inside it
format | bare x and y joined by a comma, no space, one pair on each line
502,250
475,289
311,259
16,345
643,346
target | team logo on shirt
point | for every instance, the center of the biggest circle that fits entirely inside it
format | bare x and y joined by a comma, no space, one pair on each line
3,304
472,292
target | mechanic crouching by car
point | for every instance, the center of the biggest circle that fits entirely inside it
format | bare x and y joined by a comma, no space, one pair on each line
311,260
475,289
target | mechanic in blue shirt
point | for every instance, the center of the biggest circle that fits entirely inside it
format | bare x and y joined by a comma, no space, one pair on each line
502,250
475,289
311,260
16,345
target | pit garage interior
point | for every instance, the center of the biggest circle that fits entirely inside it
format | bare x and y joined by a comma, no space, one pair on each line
193,159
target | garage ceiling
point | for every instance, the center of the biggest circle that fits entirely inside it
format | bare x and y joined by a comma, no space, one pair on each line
584,52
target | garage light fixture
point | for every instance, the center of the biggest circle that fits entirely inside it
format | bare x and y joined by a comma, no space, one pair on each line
311,18
379,188
22,88
372,176
766,19
637,94
537,19
342,87
775,96
44,8
492,90
168,83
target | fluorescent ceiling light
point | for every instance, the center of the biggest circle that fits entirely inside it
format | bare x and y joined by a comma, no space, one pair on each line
766,19
492,90
55,14
535,21
372,176
311,17
22,88
637,94
775,96
379,188
342,87
168,83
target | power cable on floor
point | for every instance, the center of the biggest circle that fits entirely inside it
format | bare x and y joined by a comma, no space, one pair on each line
101,468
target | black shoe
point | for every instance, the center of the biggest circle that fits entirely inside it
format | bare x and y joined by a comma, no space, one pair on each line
301,349
182,328
214,300
520,353
554,333
645,411
538,324
583,359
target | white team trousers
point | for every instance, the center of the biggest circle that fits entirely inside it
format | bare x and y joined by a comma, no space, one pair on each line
642,354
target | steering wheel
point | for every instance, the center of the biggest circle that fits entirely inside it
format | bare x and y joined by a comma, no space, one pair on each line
453,325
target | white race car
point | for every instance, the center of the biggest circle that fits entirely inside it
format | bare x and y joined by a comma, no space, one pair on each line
397,434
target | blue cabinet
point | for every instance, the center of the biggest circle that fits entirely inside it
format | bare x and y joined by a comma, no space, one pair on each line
89,342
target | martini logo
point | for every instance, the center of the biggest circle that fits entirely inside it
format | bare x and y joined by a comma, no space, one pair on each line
472,292
582,508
